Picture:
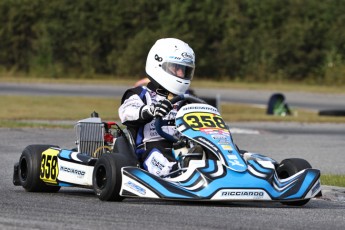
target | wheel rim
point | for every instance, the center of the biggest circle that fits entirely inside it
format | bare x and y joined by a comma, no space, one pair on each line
23,170
101,177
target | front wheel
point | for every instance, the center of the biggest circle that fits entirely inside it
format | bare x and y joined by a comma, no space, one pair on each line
289,167
29,170
107,178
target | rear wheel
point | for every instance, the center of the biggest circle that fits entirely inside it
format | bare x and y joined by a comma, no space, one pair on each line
289,167
29,169
107,177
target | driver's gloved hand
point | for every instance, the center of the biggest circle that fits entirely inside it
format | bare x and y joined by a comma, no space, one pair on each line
163,108
147,112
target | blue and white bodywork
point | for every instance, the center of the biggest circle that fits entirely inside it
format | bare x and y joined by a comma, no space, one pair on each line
211,166
232,177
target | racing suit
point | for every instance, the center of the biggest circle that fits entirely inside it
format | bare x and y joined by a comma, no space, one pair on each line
153,151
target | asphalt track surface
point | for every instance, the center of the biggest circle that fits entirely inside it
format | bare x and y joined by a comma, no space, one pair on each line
312,101
71,208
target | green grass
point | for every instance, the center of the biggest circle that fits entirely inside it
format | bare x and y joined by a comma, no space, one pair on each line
241,112
333,180
30,124
17,109
275,86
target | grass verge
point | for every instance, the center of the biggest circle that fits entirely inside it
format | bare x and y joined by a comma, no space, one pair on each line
333,180
24,108
18,111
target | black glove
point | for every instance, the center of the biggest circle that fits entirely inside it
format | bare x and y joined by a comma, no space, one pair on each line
147,112
163,108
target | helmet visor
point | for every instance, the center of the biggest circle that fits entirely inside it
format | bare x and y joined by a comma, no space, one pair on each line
178,70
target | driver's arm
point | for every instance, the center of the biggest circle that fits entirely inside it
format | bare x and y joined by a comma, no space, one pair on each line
133,110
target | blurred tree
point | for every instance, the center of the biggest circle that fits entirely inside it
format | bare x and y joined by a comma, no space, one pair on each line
17,32
300,40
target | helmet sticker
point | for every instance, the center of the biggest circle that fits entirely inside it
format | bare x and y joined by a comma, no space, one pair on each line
158,58
187,61
187,55
175,58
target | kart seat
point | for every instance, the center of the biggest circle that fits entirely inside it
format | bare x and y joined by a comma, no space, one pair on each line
124,144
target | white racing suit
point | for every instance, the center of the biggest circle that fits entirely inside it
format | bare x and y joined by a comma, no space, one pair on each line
153,151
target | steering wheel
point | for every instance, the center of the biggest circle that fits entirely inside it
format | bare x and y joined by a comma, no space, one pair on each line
159,121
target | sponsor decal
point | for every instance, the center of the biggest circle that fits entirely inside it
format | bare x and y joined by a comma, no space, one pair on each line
156,163
219,137
187,55
232,157
227,147
224,143
201,107
235,162
225,132
223,140
210,131
217,131
242,194
135,187
77,172
187,61
208,143
173,57
316,188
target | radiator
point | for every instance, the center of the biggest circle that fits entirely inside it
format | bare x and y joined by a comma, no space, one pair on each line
90,136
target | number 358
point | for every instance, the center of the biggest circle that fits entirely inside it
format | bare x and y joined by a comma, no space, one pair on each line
204,120
49,166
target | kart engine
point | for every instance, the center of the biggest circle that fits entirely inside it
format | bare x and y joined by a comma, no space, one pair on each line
90,136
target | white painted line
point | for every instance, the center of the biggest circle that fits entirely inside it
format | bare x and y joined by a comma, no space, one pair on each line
244,131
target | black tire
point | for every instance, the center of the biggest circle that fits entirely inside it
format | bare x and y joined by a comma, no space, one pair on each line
107,177
289,167
29,169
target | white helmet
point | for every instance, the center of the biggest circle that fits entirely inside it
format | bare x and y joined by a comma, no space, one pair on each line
171,63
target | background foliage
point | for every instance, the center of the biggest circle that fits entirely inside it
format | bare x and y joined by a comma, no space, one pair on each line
252,40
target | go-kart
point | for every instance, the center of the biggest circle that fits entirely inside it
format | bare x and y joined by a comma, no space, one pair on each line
211,166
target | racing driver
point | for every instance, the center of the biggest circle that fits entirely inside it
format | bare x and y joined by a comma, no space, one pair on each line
170,67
